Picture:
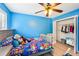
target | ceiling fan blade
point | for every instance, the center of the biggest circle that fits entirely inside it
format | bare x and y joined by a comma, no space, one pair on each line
56,4
57,10
48,4
39,11
42,4
47,14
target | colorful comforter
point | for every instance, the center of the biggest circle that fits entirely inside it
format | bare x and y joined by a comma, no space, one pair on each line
32,47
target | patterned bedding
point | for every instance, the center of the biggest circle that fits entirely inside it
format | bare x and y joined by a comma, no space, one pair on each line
30,48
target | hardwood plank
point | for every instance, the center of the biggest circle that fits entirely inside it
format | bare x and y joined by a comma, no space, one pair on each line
60,49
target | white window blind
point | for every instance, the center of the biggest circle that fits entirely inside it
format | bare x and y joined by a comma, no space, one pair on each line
3,20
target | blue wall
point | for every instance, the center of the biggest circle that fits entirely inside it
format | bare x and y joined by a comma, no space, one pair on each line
27,25
3,7
72,13
31,26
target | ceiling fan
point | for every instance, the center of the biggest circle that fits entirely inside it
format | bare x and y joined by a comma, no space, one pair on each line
48,8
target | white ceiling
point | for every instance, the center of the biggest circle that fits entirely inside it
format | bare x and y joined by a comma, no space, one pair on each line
31,8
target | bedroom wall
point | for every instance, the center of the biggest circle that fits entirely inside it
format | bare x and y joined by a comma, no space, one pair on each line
72,13
3,7
31,26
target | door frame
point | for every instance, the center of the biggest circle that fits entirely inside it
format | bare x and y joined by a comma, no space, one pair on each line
75,31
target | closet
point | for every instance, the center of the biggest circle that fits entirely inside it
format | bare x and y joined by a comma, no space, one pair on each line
66,31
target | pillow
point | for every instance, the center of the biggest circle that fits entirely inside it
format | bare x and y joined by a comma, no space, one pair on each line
17,36
49,38
42,37
15,43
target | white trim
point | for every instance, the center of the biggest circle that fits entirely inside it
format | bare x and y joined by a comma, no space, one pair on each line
77,34
4,18
66,18
54,29
76,37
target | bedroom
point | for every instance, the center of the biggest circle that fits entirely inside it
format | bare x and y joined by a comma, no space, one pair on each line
20,24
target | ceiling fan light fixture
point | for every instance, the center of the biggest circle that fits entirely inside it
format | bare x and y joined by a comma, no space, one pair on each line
50,12
48,8
45,12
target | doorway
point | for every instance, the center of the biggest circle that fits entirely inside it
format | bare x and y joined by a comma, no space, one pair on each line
64,35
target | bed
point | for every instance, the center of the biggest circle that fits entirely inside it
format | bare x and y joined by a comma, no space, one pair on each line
39,50
41,47
33,48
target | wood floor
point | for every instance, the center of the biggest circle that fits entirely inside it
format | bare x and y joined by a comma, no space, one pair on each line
60,49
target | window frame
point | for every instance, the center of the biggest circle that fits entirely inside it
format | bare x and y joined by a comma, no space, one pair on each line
4,19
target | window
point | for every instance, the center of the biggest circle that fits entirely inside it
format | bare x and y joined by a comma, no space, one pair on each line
3,20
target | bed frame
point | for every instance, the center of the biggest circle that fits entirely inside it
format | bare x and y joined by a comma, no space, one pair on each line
49,52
